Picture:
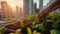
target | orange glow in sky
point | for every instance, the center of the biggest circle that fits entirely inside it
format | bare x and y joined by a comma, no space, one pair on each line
13,3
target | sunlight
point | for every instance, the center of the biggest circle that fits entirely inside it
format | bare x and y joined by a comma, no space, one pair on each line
13,6
13,3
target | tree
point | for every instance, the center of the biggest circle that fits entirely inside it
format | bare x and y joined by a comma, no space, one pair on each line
54,5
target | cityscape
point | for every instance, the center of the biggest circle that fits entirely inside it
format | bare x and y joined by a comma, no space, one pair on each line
7,11
25,7
29,16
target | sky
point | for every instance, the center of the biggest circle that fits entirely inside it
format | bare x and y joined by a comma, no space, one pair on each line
14,2
20,2
44,2
0,0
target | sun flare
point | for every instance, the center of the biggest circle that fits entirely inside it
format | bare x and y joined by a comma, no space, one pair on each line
13,3
13,6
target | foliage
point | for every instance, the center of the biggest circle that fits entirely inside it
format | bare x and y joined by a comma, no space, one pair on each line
0,29
50,22
55,32
29,30
18,31
55,18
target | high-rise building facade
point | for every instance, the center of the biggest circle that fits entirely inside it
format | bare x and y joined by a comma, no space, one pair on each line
30,7
6,10
40,4
34,7
18,13
25,7
0,5
3,9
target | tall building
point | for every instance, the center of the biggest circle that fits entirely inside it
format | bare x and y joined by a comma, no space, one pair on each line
9,11
30,7
0,5
20,9
3,9
26,7
40,4
0,10
34,7
17,9
0,14
21,13
18,12
6,10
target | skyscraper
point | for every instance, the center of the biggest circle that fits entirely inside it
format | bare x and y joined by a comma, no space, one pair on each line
0,5
6,10
25,7
30,7
34,7
20,13
17,11
40,4
3,9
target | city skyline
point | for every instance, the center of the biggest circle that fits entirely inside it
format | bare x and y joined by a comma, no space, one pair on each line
6,11
13,3
44,2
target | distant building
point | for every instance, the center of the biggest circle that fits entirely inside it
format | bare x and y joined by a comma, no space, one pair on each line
18,12
20,9
34,7
25,7
40,4
10,11
17,9
0,14
30,7
0,5
6,10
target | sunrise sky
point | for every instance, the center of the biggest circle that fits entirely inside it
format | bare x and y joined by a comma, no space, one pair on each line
13,3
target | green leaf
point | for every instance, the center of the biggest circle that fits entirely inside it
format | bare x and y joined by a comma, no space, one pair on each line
55,32
29,30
